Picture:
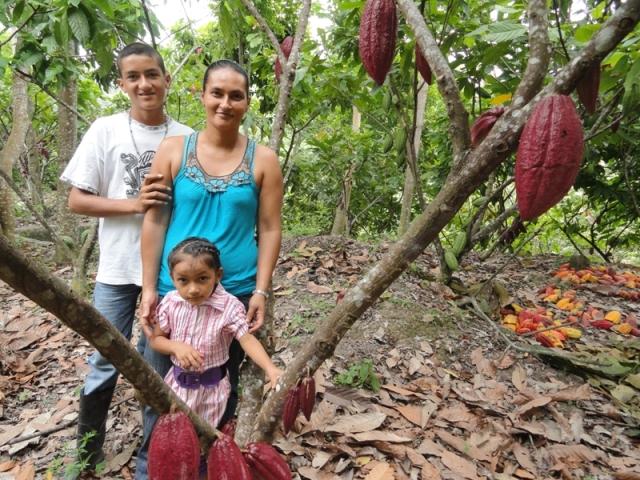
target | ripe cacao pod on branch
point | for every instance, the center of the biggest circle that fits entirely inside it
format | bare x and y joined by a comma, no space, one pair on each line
266,463
549,155
226,462
291,409
377,41
174,449
588,87
423,66
483,124
307,396
286,46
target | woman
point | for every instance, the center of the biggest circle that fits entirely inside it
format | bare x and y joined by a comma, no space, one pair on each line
225,187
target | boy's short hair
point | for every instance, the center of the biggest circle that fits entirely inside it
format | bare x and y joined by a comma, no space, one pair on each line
139,48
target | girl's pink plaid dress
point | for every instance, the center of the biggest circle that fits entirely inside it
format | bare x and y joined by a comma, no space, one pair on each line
209,328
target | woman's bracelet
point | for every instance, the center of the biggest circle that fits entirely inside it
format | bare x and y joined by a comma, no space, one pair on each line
260,292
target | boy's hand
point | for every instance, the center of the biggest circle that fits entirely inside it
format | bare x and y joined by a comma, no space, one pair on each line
188,357
153,193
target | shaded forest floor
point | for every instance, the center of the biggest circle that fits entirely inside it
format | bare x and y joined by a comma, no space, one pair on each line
456,395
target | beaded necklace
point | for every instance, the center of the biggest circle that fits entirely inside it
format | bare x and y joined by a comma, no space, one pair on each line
133,139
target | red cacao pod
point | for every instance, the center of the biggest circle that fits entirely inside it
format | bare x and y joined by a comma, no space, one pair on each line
226,462
286,46
265,462
549,155
483,124
588,87
229,428
423,66
377,41
291,409
174,449
307,396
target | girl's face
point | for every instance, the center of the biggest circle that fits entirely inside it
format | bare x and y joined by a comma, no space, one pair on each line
225,98
194,279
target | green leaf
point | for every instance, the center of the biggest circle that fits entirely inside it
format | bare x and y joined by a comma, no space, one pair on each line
79,25
585,32
226,22
505,32
105,6
633,75
31,59
18,10
61,30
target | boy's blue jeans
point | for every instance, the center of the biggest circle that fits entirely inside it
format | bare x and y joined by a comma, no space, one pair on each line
117,303
161,364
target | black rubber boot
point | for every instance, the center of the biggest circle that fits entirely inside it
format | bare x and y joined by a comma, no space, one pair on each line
94,409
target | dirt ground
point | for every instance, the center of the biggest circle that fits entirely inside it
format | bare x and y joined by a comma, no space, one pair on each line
424,386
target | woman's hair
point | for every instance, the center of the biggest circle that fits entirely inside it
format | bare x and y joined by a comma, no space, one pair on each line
195,247
225,63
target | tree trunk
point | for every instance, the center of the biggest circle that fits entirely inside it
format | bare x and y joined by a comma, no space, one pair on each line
68,223
409,178
56,297
341,218
13,149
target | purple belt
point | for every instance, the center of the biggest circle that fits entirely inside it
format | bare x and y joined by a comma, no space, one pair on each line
208,378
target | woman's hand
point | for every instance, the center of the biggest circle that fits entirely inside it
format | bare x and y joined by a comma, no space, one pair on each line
188,357
256,311
148,304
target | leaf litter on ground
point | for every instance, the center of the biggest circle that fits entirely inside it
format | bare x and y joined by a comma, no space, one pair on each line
454,401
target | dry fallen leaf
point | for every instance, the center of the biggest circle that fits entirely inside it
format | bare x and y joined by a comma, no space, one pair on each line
318,289
361,422
459,465
381,471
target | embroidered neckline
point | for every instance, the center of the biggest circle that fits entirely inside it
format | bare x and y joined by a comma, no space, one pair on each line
241,175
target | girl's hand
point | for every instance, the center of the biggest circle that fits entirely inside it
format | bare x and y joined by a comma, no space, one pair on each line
255,312
274,374
188,357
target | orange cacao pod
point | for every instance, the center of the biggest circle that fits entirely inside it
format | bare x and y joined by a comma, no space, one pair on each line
291,409
423,66
483,124
174,449
265,462
377,41
226,462
286,46
588,87
549,155
307,396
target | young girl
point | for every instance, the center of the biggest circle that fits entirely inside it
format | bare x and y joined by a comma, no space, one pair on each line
196,324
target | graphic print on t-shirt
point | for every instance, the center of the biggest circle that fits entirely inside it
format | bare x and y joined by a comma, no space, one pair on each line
135,170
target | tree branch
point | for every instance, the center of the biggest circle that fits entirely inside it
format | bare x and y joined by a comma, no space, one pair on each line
540,49
458,115
35,12
53,96
148,22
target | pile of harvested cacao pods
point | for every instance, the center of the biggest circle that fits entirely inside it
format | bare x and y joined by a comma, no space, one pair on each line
174,454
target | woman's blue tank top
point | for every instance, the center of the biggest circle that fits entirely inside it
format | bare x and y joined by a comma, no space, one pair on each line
222,209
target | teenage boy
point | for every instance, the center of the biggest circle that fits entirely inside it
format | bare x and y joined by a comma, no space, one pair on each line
108,178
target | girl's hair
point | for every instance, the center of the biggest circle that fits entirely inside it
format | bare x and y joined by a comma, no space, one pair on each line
225,63
195,247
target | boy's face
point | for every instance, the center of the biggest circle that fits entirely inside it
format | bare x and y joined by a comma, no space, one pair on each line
143,81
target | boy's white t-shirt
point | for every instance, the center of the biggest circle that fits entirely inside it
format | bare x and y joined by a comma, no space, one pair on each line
106,164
